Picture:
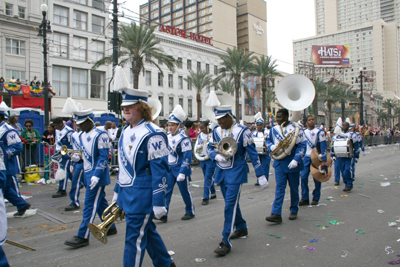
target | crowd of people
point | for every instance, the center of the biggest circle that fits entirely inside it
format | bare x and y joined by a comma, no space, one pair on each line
34,83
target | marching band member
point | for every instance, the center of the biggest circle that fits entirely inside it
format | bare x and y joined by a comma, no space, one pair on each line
94,145
315,137
208,166
11,145
286,169
179,160
360,146
142,184
63,138
3,214
231,173
262,132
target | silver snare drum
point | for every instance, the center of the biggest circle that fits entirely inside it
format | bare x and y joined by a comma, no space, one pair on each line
343,148
260,145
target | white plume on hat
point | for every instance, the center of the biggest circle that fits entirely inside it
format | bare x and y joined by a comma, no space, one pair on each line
179,113
348,121
212,100
4,106
79,107
258,116
69,106
120,80
338,128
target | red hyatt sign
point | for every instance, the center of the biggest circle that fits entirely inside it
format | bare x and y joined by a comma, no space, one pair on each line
182,33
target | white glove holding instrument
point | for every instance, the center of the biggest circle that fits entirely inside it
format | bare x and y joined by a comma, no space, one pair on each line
75,158
220,158
93,182
293,164
333,158
181,177
115,197
159,211
262,180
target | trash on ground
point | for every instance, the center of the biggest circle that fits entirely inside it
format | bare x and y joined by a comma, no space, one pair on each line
381,211
41,181
311,249
344,254
250,197
277,236
326,215
360,231
199,259
314,240
389,250
385,184
171,253
392,223
195,185
58,229
344,196
334,222
52,205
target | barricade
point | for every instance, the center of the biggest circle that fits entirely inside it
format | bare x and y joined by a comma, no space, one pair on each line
113,158
380,140
38,155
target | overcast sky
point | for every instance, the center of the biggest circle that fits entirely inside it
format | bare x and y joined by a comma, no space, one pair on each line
287,20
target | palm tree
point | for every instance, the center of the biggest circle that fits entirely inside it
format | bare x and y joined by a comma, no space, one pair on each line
226,85
344,97
234,63
382,115
320,89
137,42
199,80
330,98
265,68
389,104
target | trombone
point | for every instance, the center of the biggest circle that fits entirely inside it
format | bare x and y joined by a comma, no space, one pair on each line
69,152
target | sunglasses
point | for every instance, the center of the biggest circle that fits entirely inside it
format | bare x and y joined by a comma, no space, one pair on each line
28,125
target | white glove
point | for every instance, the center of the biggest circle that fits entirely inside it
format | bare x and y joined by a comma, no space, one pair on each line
159,211
75,158
293,164
115,197
320,157
273,147
198,147
93,182
181,177
333,158
71,169
364,153
220,158
262,180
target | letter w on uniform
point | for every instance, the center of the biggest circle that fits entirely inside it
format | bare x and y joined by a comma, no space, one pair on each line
12,136
157,146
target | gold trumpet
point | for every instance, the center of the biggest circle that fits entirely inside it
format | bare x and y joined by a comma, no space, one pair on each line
111,214
70,152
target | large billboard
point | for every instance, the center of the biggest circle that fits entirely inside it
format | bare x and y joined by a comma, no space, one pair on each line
331,55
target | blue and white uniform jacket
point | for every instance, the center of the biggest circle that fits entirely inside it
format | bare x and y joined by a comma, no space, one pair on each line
316,138
63,138
265,134
360,142
351,136
235,170
95,147
202,139
180,154
76,143
11,144
298,151
143,168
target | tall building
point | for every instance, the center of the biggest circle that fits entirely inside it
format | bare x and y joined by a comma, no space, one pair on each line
228,23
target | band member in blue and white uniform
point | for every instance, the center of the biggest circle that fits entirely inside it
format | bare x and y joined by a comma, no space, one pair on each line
63,138
179,160
208,166
360,145
231,173
11,145
95,146
315,137
260,131
142,181
287,170
3,214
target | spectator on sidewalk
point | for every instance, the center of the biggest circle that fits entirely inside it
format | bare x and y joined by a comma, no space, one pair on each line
32,138
15,124
48,137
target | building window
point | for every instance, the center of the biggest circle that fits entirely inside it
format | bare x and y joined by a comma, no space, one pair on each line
189,86
60,80
60,44
210,9
97,84
189,64
79,50
9,9
181,102
148,77
60,15
161,99
208,68
166,11
198,65
15,47
177,6
155,15
215,70
170,81
166,2
180,82
82,2
171,104
160,79
154,7
80,20
97,24
99,4
97,51
79,83
16,74
179,63
190,108
21,12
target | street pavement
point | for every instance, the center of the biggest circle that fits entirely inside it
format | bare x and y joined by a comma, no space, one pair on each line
286,244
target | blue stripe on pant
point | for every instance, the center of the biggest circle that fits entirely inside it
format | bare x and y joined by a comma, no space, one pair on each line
141,234
232,214
344,166
208,168
185,192
95,202
305,192
3,258
63,183
282,178
265,163
76,182
12,194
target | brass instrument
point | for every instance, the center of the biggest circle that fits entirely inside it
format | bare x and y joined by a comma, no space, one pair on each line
227,147
201,152
285,146
70,152
111,214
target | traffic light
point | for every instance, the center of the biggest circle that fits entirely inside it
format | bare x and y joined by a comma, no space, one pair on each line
114,101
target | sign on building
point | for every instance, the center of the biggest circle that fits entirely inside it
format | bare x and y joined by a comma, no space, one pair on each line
331,55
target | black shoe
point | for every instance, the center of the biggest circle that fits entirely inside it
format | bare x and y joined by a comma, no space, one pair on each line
347,188
292,216
213,196
82,186
222,249
172,265
71,208
21,212
163,219
337,183
304,202
77,242
112,231
60,193
314,202
274,218
204,202
187,217
256,184
239,233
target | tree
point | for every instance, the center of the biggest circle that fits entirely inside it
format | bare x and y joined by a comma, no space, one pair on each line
234,63
199,80
265,68
270,97
137,42
320,89
397,114
345,96
226,85
389,104
382,115
330,98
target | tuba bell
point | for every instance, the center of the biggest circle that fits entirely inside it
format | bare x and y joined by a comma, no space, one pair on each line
227,147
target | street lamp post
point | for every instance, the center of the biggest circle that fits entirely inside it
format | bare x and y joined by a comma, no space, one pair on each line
45,28
361,97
